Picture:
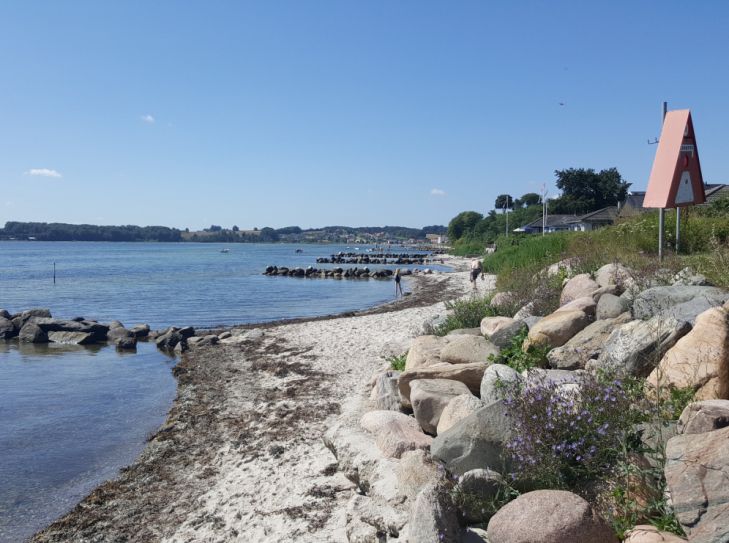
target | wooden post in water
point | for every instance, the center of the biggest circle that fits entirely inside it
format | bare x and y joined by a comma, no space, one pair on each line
54,273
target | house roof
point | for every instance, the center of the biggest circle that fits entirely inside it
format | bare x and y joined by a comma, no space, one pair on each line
601,215
634,199
552,221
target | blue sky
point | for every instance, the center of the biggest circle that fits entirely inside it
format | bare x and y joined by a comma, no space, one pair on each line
360,113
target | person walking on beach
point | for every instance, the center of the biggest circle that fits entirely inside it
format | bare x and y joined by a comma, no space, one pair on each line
476,270
398,286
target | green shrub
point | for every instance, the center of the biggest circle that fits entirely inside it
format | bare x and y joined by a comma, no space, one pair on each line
465,313
397,363
514,357
527,251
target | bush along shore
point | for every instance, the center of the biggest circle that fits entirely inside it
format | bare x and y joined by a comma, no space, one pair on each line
595,410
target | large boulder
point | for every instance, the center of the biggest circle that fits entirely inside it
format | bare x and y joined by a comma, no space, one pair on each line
32,333
697,471
7,328
415,470
636,347
586,345
645,533
489,325
504,300
700,359
548,516
586,304
611,306
704,416
20,319
71,338
467,349
386,394
169,339
495,379
681,302
430,396
578,287
615,274
424,351
476,487
468,374
433,516
140,330
458,408
395,433
556,329
118,332
465,332
478,441
501,330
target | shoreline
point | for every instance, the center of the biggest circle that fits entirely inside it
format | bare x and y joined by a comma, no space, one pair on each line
240,456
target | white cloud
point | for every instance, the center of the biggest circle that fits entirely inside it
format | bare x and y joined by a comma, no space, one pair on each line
43,172
437,192
147,118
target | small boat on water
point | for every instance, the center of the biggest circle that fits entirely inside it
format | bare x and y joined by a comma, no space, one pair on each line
299,251
224,250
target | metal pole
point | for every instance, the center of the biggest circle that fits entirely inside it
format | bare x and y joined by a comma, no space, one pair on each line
506,210
661,211
678,227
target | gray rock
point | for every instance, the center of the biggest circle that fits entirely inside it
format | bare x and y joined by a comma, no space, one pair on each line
705,416
495,379
468,374
697,471
615,274
70,338
169,340
21,318
478,487
32,333
128,343
424,351
503,336
118,332
187,331
586,345
478,441
430,396
395,433
140,330
579,286
384,519
549,516
415,470
181,346
457,409
687,276
636,348
465,332
525,312
7,328
531,321
680,302
4,314
387,396
433,516
474,535
610,306
466,349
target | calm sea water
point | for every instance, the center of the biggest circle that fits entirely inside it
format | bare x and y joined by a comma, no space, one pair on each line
71,417
176,284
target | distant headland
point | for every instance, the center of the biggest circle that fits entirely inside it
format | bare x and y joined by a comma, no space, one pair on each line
41,231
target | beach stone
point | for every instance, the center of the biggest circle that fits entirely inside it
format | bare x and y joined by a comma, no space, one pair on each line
700,359
465,332
611,306
586,345
126,343
687,277
181,347
503,300
70,338
495,378
458,408
531,321
636,347
472,534
489,325
169,340
564,266
115,324
414,470
186,332
478,441
525,311
4,314
556,329
468,374
478,486
465,349
586,304
32,333
21,318
140,330
424,351
386,394
366,518
680,302
645,533
615,274
599,293
704,416
548,516
7,328
697,470
395,433
430,396
225,335
117,332
433,516
578,287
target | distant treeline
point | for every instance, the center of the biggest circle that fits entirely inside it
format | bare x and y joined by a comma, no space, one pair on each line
42,231
57,231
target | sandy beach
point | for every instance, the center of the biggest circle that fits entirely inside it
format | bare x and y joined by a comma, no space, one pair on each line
241,456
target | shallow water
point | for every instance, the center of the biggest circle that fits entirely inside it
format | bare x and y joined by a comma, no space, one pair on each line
70,417
177,283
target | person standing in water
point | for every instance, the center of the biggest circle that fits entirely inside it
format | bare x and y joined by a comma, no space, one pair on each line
476,270
398,286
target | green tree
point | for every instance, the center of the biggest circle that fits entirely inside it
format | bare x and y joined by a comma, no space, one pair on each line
235,228
584,190
504,201
462,224
530,199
